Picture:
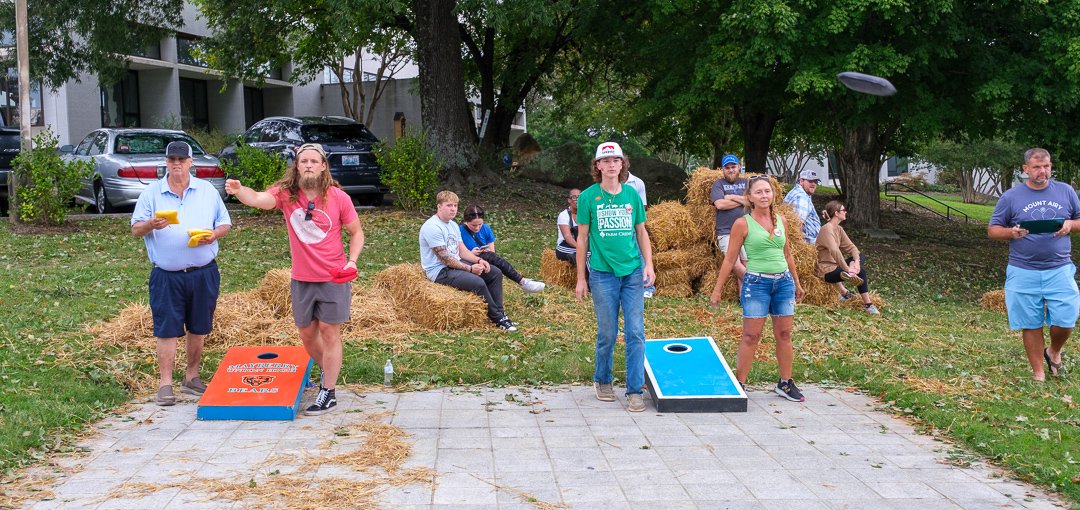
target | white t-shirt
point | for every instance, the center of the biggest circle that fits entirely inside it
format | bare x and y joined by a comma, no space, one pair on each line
564,219
436,232
638,185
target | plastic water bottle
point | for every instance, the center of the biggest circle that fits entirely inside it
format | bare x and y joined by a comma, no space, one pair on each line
388,374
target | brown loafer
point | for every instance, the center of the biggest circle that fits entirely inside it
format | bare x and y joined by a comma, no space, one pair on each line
165,396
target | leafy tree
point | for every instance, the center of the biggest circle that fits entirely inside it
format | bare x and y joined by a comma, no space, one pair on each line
92,36
970,162
52,181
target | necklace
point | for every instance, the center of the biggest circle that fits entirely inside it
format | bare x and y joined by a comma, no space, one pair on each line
610,197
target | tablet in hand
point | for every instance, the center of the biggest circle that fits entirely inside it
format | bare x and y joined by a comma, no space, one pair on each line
1042,226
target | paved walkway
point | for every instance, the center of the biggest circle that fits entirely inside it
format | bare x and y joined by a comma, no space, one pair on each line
556,447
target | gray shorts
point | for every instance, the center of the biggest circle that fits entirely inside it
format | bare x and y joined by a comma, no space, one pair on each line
327,302
722,243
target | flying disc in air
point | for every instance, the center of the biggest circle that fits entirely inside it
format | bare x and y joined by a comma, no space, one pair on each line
866,83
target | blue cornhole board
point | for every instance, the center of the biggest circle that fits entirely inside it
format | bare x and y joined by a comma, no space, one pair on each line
257,383
689,375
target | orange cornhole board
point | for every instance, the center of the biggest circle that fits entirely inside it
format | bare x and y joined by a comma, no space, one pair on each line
257,383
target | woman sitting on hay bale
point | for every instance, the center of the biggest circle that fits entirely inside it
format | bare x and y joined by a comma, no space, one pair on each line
770,286
566,246
833,266
480,240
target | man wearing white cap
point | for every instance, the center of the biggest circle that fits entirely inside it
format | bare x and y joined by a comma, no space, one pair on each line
799,198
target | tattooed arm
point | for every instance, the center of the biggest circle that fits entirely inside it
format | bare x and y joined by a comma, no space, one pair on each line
451,262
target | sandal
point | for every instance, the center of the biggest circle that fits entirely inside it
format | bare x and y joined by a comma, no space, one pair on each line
1056,369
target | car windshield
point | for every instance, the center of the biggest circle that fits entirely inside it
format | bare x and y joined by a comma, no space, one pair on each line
152,143
321,133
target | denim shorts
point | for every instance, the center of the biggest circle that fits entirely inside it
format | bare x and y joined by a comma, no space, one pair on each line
1034,298
762,296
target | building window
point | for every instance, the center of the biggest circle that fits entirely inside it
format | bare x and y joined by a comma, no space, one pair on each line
120,102
897,166
9,100
187,50
152,50
253,105
193,105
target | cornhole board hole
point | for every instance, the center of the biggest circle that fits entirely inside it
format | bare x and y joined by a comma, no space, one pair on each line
257,383
689,375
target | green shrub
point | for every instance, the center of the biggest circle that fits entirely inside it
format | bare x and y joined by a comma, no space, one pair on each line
212,141
410,170
50,181
255,168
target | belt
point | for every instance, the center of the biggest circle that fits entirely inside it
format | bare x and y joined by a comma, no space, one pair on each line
771,276
188,269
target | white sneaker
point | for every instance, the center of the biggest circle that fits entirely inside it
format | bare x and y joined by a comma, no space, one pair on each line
531,286
648,294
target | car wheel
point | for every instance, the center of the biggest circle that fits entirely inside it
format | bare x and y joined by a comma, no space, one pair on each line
101,200
375,199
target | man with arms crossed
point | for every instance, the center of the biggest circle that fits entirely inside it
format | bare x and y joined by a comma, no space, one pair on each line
728,196
1040,284
185,281
316,210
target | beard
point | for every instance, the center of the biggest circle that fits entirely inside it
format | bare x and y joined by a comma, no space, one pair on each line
310,182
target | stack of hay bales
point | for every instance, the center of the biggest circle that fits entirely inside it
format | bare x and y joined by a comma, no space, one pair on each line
994,300
557,272
689,259
429,304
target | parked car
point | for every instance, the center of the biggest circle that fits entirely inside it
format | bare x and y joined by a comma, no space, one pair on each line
347,143
127,160
10,143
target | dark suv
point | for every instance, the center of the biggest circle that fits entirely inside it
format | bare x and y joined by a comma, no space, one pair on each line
347,143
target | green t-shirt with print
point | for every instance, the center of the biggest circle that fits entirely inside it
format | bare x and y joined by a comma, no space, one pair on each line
611,220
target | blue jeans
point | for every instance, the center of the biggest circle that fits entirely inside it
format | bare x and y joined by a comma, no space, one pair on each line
762,296
608,293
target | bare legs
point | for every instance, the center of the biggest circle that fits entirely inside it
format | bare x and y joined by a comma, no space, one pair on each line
1034,343
323,343
751,336
166,355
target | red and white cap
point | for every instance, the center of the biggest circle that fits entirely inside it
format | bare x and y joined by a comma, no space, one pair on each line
608,150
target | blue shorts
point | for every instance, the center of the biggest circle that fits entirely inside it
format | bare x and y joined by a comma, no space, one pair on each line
762,296
184,302
1035,298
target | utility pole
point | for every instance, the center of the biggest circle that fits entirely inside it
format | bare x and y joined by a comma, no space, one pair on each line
22,39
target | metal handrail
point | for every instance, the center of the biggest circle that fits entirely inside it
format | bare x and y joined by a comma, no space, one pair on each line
949,210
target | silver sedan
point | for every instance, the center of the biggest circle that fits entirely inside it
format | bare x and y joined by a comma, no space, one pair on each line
127,160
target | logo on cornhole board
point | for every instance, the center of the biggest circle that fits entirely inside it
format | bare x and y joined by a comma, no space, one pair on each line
257,383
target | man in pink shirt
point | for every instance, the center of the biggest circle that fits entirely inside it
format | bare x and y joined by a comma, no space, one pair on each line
315,210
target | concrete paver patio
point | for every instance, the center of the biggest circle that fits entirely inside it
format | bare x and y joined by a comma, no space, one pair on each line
558,447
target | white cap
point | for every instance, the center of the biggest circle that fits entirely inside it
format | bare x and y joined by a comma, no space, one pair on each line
810,175
608,150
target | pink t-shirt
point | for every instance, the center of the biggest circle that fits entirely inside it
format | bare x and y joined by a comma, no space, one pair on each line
315,244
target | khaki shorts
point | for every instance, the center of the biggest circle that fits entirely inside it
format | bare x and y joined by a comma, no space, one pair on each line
722,242
328,302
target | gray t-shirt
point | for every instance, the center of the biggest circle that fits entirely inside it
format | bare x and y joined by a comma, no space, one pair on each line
724,219
1021,203
433,233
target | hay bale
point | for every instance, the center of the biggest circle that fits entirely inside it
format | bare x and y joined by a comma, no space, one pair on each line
274,290
374,313
704,218
670,226
432,306
855,303
674,289
132,327
699,185
671,259
994,300
672,276
557,272
244,318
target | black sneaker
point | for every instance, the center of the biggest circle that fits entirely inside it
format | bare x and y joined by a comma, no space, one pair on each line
506,325
788,390
325,402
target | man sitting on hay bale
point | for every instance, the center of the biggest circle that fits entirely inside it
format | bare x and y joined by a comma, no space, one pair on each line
444,258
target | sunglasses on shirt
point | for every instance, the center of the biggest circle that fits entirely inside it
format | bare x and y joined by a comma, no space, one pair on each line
310,208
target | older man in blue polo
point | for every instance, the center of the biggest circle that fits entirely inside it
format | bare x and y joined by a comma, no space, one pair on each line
184,281
799,198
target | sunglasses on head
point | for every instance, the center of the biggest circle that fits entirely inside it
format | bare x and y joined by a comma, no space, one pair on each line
473,215
757,177
310,207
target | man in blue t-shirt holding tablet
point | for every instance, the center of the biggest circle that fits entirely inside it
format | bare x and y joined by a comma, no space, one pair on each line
1040,283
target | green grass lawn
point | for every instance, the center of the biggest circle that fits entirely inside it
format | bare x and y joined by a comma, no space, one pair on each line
934,356
939,201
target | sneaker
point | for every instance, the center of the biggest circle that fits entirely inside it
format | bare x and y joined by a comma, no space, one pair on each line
871,309
506,325
851,280
193,387
531,286
635,403
788,390
648,294
165,396
325,402
604,392
846,296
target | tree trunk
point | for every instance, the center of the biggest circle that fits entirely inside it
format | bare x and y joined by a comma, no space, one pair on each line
757,129
860,160
967,185
443,103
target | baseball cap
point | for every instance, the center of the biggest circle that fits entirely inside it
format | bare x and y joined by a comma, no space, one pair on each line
178,150
317,147
810,175
608,150
729,158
